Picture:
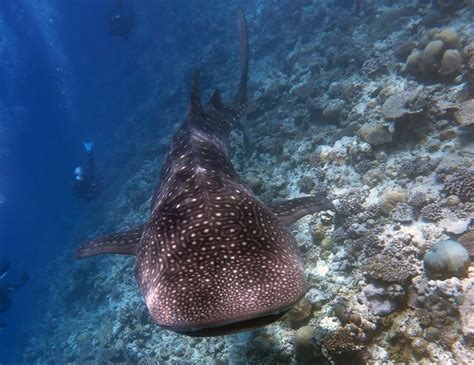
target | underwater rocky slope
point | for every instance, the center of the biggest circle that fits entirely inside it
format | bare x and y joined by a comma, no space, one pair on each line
372,105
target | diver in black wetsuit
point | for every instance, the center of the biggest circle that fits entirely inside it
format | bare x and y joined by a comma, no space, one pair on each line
7,287
85,181
122,19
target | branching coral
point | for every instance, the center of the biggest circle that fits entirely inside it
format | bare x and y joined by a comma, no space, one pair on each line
389,269
419,166
432,212
418,200
374,67
347,207
340,341
461,183
372,245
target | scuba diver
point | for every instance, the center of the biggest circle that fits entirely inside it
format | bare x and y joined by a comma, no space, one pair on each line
122,19
7,287
85,182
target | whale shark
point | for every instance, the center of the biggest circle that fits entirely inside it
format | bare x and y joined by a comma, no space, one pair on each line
213,259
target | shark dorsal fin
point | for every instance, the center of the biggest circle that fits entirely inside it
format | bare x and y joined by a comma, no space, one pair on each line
196,107
216,100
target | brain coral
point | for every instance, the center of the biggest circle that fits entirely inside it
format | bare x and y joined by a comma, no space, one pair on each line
304,347
446,259
413,62
437,54
431,56
449,37
451,62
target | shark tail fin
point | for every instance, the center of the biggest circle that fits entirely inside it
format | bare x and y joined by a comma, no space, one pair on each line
87,146
123,243
196,106
244,58
290,211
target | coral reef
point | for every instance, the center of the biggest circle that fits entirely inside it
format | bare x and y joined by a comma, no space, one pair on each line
375,135
465,114
468,52
330,109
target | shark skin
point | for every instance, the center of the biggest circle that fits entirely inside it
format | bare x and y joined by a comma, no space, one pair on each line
213,259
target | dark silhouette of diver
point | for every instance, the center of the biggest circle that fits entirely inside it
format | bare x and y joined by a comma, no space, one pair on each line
7,287
122,18
85,182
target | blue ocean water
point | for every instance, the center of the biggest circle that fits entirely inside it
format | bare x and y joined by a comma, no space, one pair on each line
322,74
64,79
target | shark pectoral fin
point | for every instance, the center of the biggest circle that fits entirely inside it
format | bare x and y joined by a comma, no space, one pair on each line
291,210
123,243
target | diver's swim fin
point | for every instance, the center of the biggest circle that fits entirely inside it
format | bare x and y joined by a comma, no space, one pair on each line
87,146
290,211
123,243
23,280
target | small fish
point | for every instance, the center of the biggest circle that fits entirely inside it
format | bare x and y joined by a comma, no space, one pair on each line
213,259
